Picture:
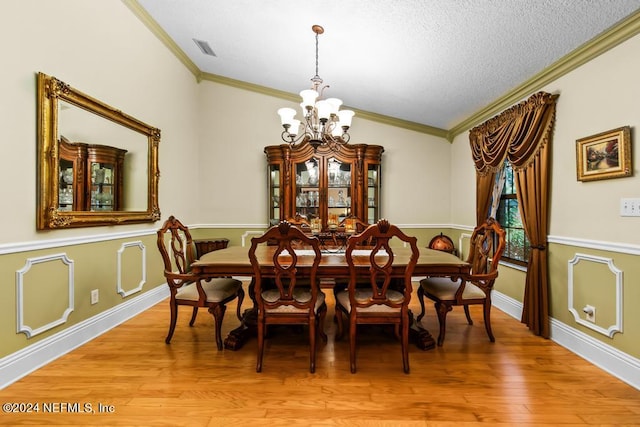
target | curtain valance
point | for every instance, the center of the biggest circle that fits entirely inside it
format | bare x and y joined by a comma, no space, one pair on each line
516,134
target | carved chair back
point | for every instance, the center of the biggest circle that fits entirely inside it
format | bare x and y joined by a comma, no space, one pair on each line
382,277
487,246
178,252
284,274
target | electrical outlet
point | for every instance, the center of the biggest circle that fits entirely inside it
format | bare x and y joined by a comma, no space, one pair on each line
590,313
95,296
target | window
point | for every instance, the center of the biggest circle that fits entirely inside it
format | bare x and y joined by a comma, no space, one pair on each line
517,246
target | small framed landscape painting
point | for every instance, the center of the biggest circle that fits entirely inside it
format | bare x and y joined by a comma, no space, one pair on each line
605,155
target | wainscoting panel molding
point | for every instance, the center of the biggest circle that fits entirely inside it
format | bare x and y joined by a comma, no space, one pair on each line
21,363
248,233
611,330
20,292
143,267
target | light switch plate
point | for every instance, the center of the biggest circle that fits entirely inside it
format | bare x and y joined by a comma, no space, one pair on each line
629,207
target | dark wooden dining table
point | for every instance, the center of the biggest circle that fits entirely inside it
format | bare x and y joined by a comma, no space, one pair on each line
234,261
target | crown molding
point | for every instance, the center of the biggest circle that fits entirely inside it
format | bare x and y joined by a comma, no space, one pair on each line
200,75
404,124
583,54
361,114
163,36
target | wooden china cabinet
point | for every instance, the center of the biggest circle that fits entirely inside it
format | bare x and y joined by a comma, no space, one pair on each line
325,185
91,177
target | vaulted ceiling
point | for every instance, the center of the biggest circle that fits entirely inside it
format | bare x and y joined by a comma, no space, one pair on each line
432,63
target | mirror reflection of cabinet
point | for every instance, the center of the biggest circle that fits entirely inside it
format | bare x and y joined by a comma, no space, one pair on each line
64,110
91,177
326,185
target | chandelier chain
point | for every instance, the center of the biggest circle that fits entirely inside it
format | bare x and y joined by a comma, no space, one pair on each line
317,75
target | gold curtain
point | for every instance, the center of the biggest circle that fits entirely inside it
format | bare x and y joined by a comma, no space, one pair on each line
522,134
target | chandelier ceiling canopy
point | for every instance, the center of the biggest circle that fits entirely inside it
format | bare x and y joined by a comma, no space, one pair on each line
322,120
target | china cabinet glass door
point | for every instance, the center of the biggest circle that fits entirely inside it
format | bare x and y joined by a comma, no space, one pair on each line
307,201
275,196
66,189
102,186
373,193
339,194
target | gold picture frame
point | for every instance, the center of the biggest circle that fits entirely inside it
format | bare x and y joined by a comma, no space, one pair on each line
56,99
605,155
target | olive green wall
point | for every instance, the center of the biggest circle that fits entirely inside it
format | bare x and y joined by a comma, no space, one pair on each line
594,283
45,285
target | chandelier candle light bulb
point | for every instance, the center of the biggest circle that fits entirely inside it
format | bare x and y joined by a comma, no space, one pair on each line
323,121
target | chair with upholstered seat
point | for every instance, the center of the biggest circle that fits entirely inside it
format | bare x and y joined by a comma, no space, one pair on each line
286,293
377,292
178,252
486,247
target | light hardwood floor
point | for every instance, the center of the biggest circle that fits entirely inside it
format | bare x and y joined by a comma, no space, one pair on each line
520,379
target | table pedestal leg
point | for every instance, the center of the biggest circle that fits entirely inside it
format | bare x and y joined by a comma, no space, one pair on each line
422,337
247,329
419,335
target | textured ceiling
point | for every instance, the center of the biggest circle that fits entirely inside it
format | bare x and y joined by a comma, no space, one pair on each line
433,62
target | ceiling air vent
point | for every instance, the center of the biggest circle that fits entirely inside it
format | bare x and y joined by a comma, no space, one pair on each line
204,47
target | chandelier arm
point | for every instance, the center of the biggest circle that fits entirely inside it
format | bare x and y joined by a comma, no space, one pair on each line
291,139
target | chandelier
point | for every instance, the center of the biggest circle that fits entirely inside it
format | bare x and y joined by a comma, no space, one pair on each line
323,121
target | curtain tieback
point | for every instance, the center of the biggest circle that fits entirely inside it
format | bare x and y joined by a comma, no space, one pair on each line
540,247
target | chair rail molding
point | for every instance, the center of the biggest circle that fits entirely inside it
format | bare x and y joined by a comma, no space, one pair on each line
617,327
20,310
17,247
143,268
623,248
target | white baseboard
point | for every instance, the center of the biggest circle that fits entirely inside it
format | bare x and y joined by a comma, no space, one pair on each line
507,304
609,359
21,363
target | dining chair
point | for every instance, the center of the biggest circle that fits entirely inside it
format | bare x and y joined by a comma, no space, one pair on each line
178,252
357,226
385,297
486,248
284,292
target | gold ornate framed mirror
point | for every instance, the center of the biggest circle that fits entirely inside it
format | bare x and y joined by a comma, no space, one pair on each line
96,164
